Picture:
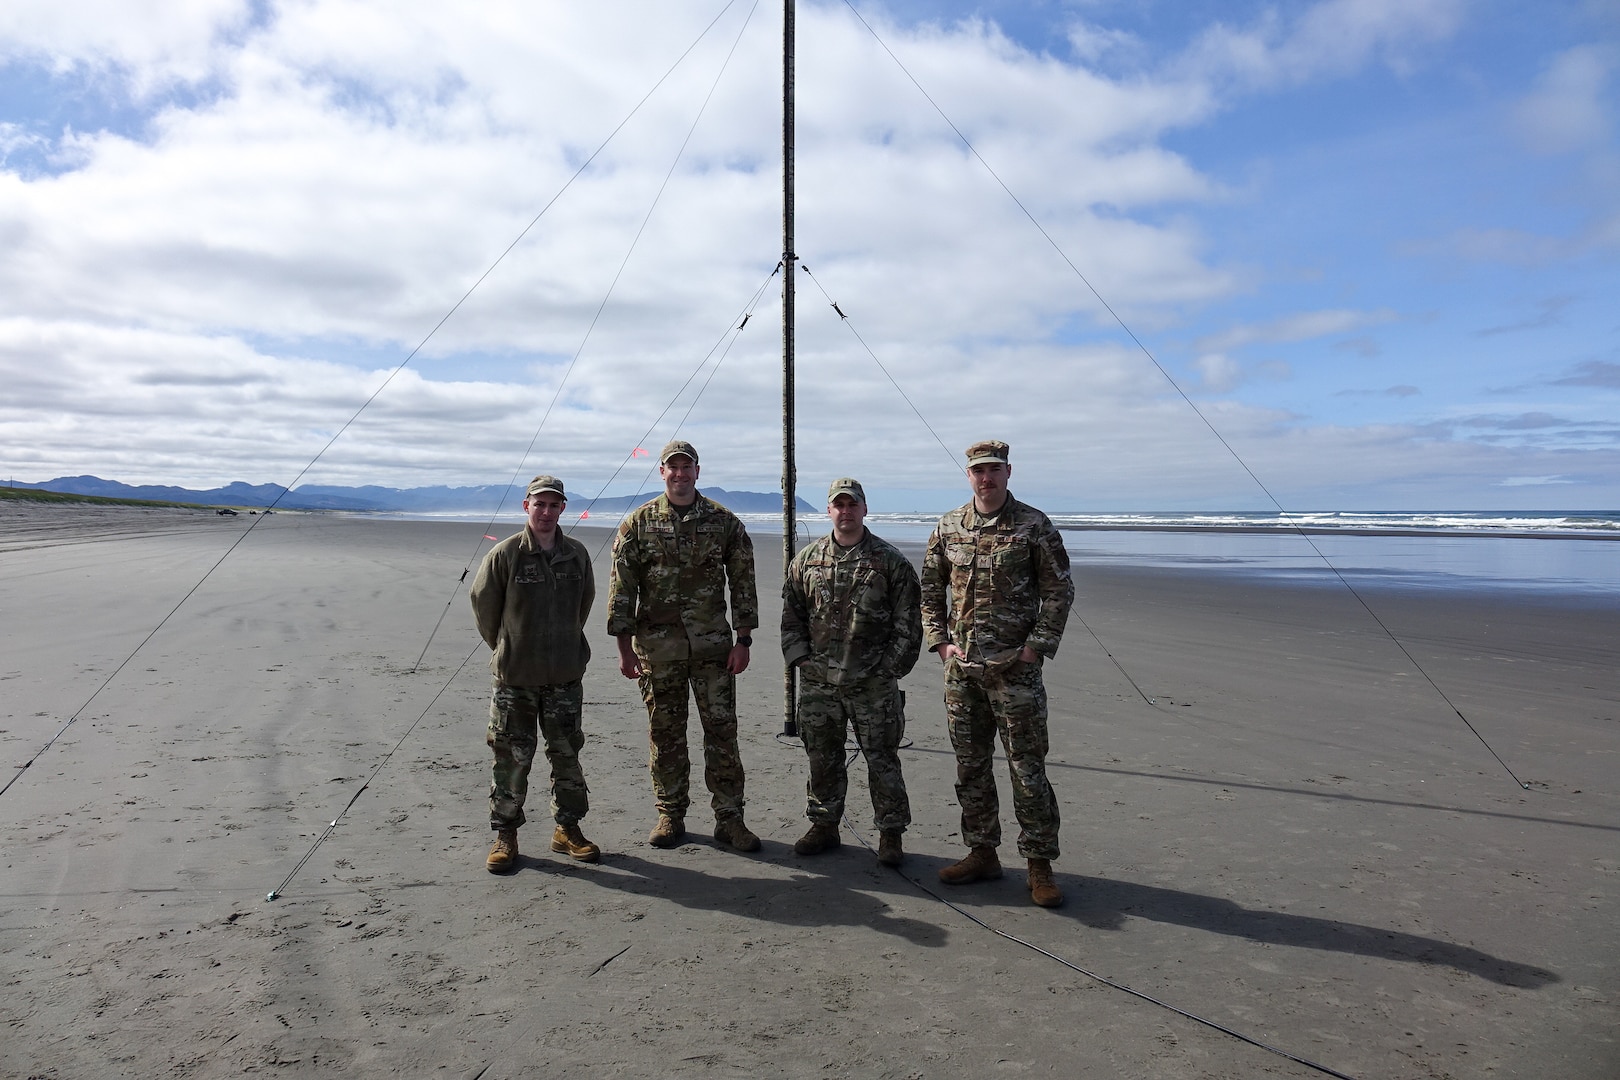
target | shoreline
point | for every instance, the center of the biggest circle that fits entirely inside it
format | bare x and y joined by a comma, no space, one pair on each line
1322,530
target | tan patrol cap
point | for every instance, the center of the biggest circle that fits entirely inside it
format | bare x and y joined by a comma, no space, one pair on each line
677,446
544,482
986,451
846,485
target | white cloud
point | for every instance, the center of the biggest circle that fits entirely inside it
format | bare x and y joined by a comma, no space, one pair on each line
1300,326
1296,45
1566,110
1533,481
1218,373
1093,43
146,44
1519,247
358,179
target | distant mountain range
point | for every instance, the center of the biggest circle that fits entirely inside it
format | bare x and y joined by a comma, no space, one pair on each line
424,500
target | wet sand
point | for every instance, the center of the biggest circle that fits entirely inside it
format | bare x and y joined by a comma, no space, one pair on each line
1298,839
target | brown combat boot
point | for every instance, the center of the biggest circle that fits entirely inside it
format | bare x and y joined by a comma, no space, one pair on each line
889,851
981,864
1042,889
668,832
731,830
823,836
568,838
503,853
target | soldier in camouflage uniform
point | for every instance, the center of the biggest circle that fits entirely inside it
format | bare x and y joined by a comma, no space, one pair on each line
850,625
996,594
672,561
531,598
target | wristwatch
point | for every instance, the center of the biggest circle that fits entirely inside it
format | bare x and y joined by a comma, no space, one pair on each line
745,640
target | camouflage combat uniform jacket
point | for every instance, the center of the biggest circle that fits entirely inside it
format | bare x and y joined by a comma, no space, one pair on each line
1008,576
669,579
531,610
853,613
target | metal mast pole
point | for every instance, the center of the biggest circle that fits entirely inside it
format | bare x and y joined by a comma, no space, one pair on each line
790,725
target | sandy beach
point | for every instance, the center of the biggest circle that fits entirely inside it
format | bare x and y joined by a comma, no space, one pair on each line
1298,839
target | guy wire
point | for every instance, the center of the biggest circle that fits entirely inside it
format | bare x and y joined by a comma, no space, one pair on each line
747,313
287,489
274,894
1184,396
1073,611
281,889
608,295
733,333
132,654
907,397
1222,1028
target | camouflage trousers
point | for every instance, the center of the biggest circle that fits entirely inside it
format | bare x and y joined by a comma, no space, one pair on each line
519,717
666,687
872,707
1013,705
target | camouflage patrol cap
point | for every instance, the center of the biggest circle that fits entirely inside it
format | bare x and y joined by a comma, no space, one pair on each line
544,482
674,447
846,485
986,451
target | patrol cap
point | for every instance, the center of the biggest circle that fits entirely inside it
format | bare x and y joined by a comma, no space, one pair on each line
544,482
677,446
986,451
846,485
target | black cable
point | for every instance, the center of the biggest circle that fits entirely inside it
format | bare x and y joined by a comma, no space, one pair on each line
851,326
733,333
851,743
1112,984
1184,397
132,654
281,889
1073,613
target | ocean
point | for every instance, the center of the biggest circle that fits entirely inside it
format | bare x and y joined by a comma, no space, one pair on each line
1571,556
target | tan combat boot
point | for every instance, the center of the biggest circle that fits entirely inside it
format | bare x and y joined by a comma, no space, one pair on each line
889,852
731,830
668,832
503,853
981,864
1042,889
568,838
823,836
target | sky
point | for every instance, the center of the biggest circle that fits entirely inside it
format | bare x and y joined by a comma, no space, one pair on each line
1347,254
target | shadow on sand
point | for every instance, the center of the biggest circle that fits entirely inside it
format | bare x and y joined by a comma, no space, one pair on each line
1104,904
807,899
830,892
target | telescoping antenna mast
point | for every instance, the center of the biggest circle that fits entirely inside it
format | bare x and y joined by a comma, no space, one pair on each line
790,725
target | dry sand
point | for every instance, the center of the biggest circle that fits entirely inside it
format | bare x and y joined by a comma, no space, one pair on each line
1300,840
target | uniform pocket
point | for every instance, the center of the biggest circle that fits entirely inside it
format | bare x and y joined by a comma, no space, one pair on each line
1011,558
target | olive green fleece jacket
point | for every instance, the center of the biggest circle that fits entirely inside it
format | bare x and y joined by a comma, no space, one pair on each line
531,609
